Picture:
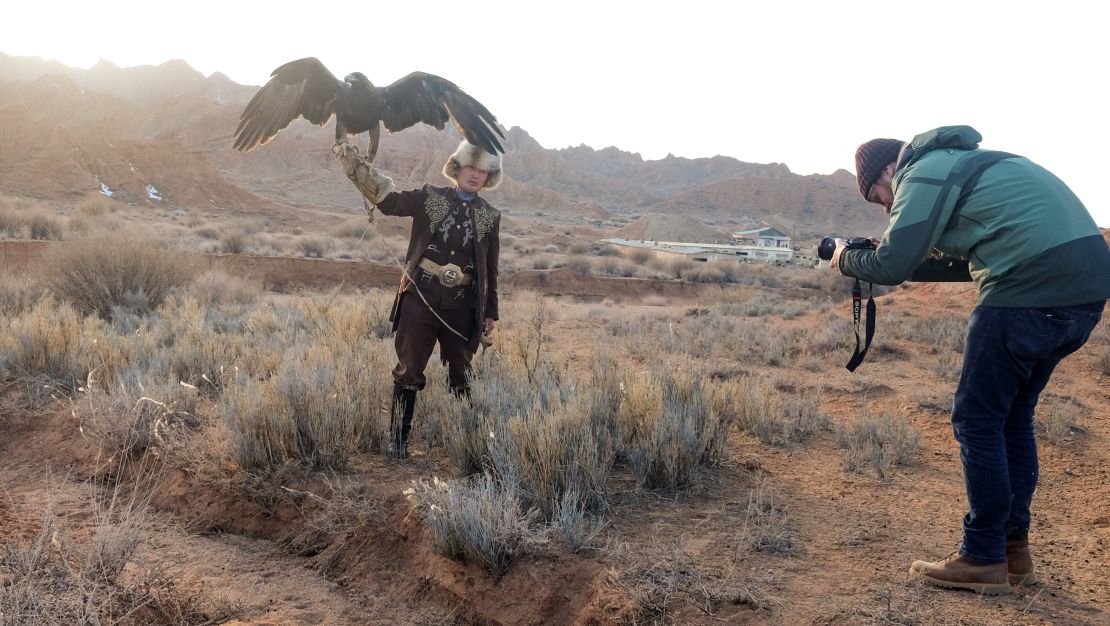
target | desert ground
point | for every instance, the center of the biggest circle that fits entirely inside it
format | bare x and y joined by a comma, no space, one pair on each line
649,442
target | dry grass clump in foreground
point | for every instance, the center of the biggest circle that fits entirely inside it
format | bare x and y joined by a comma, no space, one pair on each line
670,426
877,444
72,573
775,418
478,519
51,340
1058,419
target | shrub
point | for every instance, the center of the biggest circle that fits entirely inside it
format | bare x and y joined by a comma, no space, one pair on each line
12,223
557,456
129,417
766,526
1058,420
314,248
669,426
320,407
53,341
678,267
233,243
218,288
877,444
18,294
96,206
208,233
477,520
47,227
580,264
98,275
64,574
354,228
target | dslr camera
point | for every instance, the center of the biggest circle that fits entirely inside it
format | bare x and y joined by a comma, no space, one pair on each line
827,246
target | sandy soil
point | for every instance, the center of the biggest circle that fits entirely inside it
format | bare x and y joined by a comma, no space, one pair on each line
853,535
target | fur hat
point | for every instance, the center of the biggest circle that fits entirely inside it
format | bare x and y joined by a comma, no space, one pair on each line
871,159
472,155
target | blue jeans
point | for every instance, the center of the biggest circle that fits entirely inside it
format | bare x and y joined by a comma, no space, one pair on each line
1008,358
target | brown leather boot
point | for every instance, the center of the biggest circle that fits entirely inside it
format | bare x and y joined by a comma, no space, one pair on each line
1019,563
957,572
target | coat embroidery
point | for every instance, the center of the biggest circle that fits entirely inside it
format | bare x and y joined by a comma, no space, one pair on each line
485,218
437,207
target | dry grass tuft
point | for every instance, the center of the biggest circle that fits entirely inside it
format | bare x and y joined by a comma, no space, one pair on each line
775,418
479,520
669,428
70,575
52,340
1058,420
877,444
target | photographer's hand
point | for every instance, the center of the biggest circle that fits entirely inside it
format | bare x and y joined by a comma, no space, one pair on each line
834,262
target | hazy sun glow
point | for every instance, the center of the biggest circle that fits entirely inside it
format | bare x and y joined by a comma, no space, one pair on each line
801,83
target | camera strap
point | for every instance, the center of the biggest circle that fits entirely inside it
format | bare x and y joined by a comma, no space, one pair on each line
869,327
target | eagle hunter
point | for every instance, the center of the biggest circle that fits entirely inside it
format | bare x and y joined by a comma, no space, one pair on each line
306,88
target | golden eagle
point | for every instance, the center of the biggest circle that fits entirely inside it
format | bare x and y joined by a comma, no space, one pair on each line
306,88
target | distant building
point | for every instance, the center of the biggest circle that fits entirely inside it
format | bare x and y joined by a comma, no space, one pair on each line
766,237
713,251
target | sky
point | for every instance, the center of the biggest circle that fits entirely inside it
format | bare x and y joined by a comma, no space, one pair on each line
788,81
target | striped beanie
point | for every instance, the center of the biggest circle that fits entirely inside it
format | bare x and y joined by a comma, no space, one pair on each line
872,158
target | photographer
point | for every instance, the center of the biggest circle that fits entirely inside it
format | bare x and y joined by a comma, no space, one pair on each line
1043,274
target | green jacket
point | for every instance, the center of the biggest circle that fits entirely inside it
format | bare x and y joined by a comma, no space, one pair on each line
999,219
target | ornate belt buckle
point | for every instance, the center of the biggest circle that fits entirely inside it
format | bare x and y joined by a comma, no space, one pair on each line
450,276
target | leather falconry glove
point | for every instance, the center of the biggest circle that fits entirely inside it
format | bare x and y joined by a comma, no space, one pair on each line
372,184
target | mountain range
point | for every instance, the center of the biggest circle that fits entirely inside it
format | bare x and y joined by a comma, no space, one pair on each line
66,133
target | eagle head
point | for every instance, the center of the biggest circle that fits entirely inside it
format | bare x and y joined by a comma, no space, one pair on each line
359,79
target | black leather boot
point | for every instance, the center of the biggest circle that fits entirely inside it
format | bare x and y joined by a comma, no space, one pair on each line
400,421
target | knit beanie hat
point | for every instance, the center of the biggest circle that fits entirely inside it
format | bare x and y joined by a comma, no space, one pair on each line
872,158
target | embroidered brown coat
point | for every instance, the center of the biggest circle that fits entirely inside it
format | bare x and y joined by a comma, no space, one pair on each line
427,207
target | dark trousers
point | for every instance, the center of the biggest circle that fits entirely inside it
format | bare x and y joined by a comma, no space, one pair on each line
1008,358
418,331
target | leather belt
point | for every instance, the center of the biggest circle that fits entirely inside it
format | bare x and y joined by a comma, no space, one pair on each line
449,275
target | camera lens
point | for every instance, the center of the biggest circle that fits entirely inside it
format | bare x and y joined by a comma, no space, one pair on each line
826,248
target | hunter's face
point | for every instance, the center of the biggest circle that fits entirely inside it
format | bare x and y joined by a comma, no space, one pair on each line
472,179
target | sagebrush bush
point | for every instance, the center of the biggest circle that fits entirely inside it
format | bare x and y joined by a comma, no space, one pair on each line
52,340
96,206
321,406
775,418
19,293
478,520
233,243
354,228
135,413
1058,420
45,226
877,444
12,223
767,524
65,573
215,288
550,452
100,274
668,426
314,247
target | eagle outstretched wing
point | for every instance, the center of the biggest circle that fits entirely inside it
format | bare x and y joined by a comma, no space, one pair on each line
305,88
421,97
299,88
